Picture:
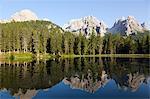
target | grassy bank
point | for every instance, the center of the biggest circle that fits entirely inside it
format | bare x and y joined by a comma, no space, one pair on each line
30,56
110,55
25,56
16,56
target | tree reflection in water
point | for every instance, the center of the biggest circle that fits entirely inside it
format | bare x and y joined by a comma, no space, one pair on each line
89,74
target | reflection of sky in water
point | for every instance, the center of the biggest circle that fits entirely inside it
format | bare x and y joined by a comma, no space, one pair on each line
5,95
110,90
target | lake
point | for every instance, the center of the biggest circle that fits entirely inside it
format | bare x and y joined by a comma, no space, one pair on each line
76,78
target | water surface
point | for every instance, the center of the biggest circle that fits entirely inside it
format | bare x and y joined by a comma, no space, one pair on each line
78,78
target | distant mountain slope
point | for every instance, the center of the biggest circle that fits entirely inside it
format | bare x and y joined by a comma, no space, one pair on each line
27,15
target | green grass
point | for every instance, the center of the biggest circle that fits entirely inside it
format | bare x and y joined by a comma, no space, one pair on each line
24,56
16,56
29,56
110,55
44,56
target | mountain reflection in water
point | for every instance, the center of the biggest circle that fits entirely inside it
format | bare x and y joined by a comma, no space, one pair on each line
86,83
25,80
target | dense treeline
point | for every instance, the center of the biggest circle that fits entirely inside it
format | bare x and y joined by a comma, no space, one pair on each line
45,37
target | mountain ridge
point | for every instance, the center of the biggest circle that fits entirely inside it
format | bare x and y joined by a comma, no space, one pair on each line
88,24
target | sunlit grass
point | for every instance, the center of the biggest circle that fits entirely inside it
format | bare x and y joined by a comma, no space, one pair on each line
29,56
110,55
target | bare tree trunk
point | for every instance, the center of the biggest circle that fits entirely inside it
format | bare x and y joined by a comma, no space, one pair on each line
0,63
9,62
100,49
24,50
17,64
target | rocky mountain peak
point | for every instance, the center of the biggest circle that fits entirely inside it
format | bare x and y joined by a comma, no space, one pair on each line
24,15
126,26
130,18
86,25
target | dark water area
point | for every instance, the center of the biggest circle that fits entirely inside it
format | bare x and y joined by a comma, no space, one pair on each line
76,78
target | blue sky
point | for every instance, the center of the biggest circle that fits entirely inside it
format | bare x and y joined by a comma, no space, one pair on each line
61,11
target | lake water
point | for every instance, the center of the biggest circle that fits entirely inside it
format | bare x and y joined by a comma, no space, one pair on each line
76,78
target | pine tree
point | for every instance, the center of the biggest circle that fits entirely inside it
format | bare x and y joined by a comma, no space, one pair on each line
99,43
92,44
84,45
78,44
44,37
109,44
146,44
0,39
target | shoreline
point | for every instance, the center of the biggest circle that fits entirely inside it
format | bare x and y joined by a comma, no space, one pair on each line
31,56
111,55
